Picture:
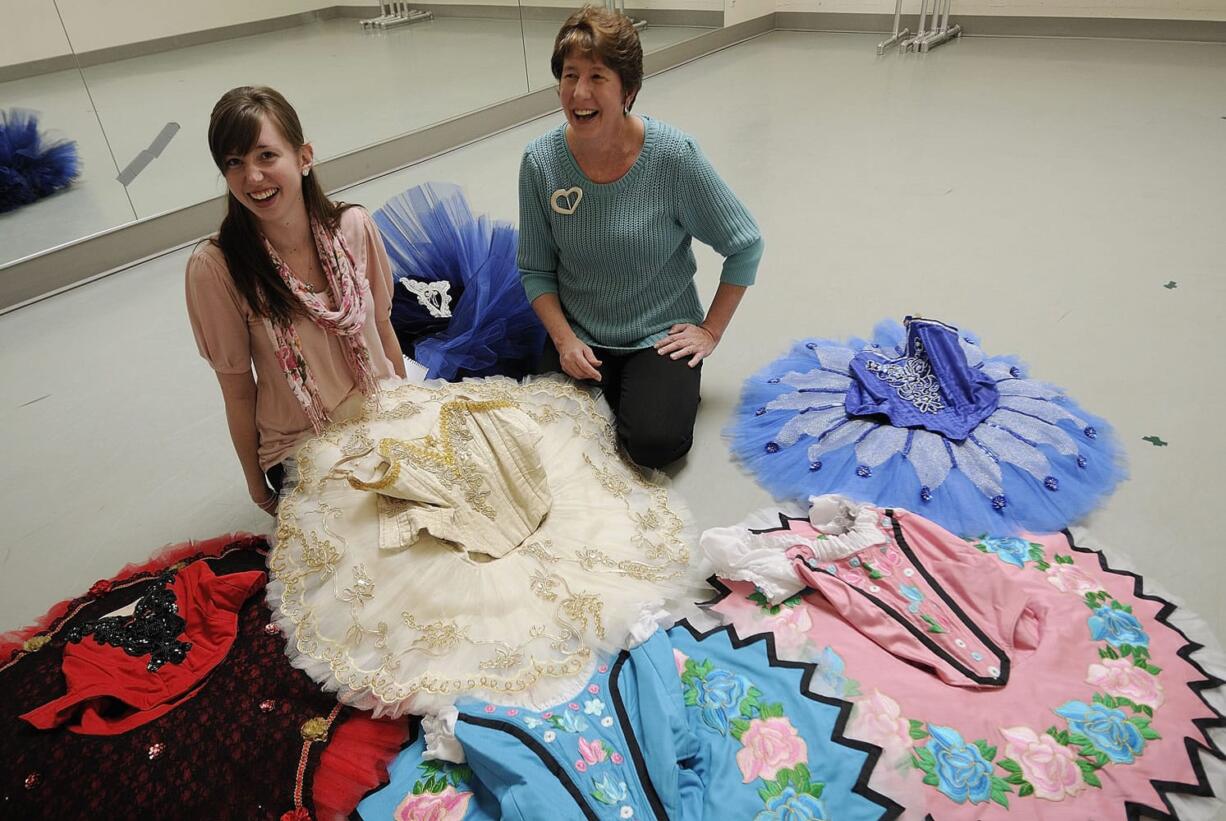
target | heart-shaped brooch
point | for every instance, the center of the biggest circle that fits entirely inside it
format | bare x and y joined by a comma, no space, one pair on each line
566,200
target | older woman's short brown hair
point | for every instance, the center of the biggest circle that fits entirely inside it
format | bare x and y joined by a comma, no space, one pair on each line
600,34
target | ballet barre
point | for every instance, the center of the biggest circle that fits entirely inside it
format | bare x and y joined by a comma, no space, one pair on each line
396,13
619,6
938,29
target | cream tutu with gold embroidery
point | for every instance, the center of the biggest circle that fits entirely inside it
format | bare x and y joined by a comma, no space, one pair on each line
482,538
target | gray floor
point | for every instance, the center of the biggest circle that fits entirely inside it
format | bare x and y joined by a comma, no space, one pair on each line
351,89
1038,192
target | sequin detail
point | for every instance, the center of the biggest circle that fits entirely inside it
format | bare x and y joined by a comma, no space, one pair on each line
1090,432
1051,483
815,466
912,379
772,447
1000,502
864,471
156,750
925,494
1082,462
152,630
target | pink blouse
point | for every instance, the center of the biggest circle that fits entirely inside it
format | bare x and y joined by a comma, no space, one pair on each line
231,337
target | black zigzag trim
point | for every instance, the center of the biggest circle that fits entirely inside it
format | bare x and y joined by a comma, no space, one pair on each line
1193,746
872,752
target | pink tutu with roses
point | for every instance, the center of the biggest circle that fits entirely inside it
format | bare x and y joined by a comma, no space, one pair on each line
1003,678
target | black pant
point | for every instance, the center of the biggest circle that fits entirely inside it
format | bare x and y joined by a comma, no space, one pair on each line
655,399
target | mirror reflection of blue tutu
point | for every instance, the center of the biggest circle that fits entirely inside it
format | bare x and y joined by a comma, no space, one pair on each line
458,306
920,418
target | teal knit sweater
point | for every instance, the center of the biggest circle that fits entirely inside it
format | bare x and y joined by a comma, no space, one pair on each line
621,263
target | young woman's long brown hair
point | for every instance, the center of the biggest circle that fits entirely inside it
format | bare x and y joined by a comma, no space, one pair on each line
234,128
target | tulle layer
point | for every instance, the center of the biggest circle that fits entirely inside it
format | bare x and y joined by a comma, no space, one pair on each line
413,629
1050,462
30,167
480,324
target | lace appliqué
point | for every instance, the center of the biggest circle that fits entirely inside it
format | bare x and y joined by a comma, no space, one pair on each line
912,379
153,630
435,296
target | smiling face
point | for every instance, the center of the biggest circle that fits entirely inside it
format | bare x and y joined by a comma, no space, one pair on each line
593,97
267,179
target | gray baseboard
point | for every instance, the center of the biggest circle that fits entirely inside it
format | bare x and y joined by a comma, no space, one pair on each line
76,263
35,68
1207,31
195,38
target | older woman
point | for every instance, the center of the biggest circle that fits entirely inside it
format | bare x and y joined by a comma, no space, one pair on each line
610,203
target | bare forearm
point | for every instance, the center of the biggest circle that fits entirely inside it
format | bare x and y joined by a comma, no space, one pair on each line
723,306
240,417
549,309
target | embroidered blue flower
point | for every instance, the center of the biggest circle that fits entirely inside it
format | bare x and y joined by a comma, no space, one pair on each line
569,722
831,679
720,693
608,791
1108,730
1011,550
1117,627
962,772
914,596
531,723
593,707
790,805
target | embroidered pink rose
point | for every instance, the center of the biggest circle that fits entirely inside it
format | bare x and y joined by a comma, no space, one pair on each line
769,745
1069,578
1122,678
593,688
593,752
581,765
791,626
489,708
878,718
1048,765
680,659
447,805
616,758
853,577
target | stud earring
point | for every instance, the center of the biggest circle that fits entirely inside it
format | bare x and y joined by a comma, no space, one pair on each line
306,171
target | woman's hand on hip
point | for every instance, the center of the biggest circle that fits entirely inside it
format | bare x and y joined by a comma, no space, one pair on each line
578,360
685,339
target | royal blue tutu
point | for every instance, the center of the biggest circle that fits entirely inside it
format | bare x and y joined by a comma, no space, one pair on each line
30,167
458,306
1035,462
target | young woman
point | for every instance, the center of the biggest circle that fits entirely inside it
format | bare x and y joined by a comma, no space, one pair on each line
290,300
610,203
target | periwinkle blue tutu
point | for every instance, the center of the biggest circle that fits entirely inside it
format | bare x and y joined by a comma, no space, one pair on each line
1037,462
30,167
458,306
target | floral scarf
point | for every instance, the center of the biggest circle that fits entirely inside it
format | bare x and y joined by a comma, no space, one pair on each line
345,322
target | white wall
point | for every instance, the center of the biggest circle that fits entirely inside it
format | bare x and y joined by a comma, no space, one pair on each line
738,11
31,31
94,25
1144,9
